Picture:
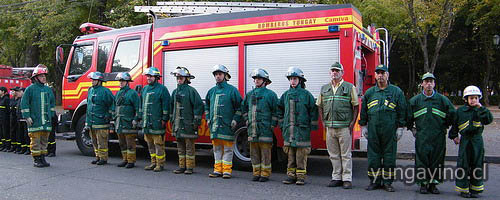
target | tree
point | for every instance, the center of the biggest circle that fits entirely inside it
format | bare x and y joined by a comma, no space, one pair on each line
432,17
484,17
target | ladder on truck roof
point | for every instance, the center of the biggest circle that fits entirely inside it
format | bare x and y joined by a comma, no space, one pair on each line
176,8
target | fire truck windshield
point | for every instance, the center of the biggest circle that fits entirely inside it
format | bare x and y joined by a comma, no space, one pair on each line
81,59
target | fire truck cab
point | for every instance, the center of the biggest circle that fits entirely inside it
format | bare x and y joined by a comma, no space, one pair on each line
312,38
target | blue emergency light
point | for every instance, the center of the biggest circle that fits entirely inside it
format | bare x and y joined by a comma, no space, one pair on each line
333,28
165,43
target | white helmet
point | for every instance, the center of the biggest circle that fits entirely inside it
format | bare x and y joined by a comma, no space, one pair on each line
472,90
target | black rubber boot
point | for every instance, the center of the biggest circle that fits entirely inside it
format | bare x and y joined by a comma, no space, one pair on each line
37,162
44,162
122,164
23,150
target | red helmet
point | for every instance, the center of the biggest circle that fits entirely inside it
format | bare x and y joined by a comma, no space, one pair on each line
39,69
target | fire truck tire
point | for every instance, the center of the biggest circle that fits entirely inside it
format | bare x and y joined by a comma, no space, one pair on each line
83,140
241,148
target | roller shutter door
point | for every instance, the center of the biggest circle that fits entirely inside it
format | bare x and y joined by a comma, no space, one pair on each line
313,57
200,63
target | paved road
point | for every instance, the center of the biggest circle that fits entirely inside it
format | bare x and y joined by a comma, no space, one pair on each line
73,177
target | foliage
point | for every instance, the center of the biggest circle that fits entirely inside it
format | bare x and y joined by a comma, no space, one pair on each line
452,38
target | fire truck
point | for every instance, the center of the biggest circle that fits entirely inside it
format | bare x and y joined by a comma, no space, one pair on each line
13,77
312,38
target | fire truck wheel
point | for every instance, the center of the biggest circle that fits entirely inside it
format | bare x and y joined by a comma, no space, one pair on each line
241,149
82,138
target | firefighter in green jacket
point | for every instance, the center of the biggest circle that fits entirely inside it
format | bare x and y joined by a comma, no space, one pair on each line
260,114
432,114
383,110
187,109
125,115
155,115
298,116
223,111
37,108
100,103
469,121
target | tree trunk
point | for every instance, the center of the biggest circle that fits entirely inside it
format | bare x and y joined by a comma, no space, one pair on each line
486,78
32,56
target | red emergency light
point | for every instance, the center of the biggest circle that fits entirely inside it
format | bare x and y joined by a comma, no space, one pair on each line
88,28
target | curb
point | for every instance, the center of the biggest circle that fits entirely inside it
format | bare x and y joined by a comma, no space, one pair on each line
411,156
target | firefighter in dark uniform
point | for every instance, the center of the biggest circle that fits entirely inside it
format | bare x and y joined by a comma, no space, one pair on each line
21,129
469,122
4,120
126,117
187,109
223,111
298,117
432,114
14,103
51,148
100,103
259,110
382,118
155,115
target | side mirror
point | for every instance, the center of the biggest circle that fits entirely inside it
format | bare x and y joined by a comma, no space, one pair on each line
138,89
59,55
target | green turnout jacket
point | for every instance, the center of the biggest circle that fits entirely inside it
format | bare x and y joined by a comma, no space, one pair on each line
260,111
298,116
155,108
127,104
223,105
38,102
100,104
384,109
470,122
187,109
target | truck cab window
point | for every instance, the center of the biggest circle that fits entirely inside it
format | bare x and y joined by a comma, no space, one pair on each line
126,55
103,55
81,60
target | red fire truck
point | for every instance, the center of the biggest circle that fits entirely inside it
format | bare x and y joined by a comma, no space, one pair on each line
312,38
13,77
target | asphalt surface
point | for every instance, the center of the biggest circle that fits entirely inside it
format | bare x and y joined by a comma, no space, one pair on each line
71,176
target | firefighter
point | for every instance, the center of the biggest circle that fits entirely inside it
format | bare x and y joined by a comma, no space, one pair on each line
338,106
126,116
4,119
14,104
187,109
155,115
469,121
37,108
259,110
100,103
223,111
432,114
21,129
298,116
382,118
